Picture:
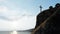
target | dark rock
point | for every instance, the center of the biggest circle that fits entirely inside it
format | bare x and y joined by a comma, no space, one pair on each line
52,26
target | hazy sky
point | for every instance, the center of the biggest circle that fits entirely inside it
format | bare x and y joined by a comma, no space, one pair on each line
21,14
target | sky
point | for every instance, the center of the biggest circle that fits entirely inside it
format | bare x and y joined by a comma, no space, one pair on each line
21,14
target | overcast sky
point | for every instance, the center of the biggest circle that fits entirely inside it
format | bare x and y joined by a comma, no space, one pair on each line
21,14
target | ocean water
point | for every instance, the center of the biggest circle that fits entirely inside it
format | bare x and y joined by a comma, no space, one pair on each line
14,32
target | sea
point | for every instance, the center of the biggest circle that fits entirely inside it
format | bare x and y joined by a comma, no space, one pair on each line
15,32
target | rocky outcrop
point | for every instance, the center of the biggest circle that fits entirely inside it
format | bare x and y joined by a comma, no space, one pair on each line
52,26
